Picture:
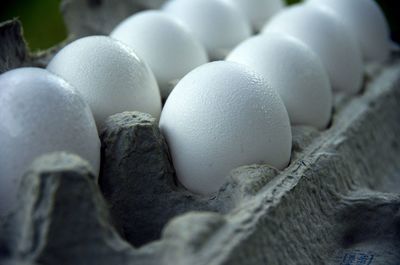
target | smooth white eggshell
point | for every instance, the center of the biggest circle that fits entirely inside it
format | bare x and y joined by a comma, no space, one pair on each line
40,113
109,75
220,116
169,48
219,25
329,38
295,71
259,11
367,22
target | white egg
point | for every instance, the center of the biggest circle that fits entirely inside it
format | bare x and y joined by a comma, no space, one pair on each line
219,25
40,113
220,116
367,22
329,38
109,75
169,48
259,11
295,71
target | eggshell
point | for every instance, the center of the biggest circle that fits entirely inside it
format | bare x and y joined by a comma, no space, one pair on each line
327,36
295,71
221,116
259,11
109,75
40,113
367,22
169,48
219,25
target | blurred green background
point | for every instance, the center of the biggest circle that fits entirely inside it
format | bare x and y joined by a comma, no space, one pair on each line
44,26
42,21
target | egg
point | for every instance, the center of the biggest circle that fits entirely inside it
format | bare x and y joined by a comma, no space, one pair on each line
295,71
109,75
367,22
219,25
220,116
329,38
259,11
40,113
170,50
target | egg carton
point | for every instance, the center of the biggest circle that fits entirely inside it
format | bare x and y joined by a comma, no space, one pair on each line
338,201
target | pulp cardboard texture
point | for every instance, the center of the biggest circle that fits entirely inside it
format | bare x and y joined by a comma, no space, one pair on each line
337,203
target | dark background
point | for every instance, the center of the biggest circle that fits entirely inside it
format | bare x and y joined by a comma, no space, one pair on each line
44,26
41,19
